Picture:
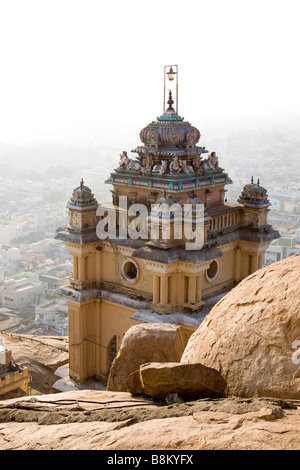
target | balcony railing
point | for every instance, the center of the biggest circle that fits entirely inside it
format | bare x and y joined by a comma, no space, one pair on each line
226,220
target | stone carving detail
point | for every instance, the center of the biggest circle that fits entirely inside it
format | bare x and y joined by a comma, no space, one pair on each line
162,169
152,137
133,165
147,164
197,164
175,166
173,136
210,163
78,285
123,162
192,137
115,196
214,160
128,164
186,168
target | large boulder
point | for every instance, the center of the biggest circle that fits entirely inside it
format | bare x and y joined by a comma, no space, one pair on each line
148,342
189,380
252,335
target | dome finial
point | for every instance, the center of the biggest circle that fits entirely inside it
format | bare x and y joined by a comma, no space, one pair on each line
258,182
170,102
252,180
81,183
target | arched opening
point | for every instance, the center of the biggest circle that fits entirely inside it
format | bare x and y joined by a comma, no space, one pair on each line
129,271
213,271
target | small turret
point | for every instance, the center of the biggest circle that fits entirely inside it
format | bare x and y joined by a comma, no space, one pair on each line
82,209
255,201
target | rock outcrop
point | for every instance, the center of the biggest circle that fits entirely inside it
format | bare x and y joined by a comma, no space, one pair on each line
141,344
95,420
41,354
252,335
189,380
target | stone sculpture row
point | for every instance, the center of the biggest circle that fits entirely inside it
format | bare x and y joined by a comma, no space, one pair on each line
176,166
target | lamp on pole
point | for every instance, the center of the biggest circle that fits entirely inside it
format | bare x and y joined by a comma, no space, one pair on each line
171,74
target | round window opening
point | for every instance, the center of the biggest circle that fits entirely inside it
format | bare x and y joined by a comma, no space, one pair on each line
129,271
213,271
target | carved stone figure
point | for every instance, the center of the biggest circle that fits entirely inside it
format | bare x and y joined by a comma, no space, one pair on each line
133,165
210,163
162,169
206,165
175,166
197,164
186,168
147,164
127,164
214,160
123,162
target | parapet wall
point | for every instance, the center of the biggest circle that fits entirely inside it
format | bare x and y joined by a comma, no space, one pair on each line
15,379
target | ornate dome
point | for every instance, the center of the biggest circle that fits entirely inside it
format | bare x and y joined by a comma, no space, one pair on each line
254,194
170,130
82,196
165,201
169,133
196,205
192,198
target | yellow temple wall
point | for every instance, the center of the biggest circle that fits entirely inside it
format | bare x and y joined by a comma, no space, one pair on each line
92,326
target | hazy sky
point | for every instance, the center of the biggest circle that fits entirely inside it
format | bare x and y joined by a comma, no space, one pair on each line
76,71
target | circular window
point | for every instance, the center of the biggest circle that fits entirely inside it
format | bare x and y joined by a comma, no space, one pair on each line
129,271
213,271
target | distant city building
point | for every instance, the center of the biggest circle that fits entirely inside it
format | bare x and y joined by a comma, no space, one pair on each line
8,260
9,234
22,293
27,190
280,249
44,219
4,215
53,317
292,206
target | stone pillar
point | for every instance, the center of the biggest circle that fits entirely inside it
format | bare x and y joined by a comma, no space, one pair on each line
237,263
199,287
75,267
222,196
164,290
82,268
192,290
207,198
156,289
254,263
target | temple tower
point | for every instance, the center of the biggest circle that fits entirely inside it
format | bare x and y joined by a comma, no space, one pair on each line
124,276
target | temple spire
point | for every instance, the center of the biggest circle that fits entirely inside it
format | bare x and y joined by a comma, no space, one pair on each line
170,102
